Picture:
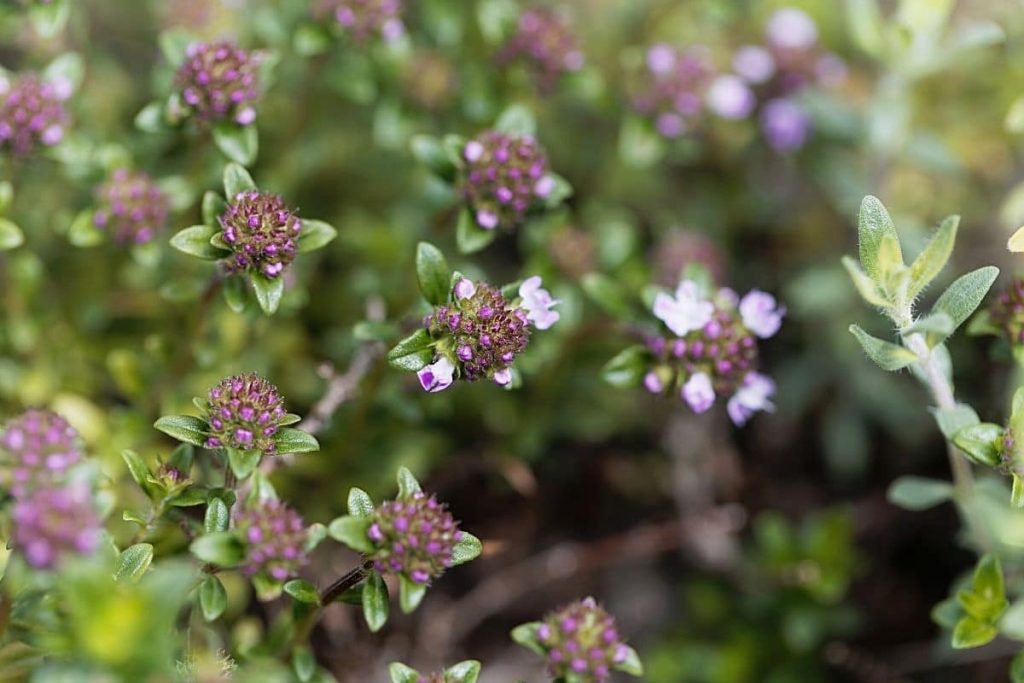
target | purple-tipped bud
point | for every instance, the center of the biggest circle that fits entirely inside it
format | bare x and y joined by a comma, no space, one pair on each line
545,44
219,82
36,450
581,639
32,114
500,180
261,232
414,537
130,207
275,538
52,523
244,413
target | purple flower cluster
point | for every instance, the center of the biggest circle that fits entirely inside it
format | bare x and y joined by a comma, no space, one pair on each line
261,232
365,18
275,538
414,537
38,447
219,82
51,523
504,176
131,208
32,113
712,350
673,88
244,412
581,641
545,44
1007,313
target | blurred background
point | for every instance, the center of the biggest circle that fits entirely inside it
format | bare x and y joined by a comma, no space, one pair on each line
763,554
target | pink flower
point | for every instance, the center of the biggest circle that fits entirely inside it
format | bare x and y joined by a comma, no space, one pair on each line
437,376
761,314
698,392
685,312
538,303
754,395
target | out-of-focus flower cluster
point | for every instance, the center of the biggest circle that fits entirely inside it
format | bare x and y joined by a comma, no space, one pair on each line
673,87
364,19
581,641
32,113
275,538
711,350
219,81
504,176
545,44
130,207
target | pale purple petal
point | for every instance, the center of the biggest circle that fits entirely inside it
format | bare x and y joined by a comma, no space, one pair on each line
464,288
791,28
754,64
437,376
503,377
473,151
754,395
730,97
538,303
686,312
698,392
653,383
761,314
488,220
661,59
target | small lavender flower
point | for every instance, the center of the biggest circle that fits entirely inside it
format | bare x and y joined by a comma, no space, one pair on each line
699,393
504,176
546,44
538,302
761,314
275,538
37,448
673,88
754,395
244,412
52,523
582,641
414,537
32,114
261,231
730,97
754,64
685,312
437,376
1008,311
219,82
364,19
792,29
131,208
785,125
480,333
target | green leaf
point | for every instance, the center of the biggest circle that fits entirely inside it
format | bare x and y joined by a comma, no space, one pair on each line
237,180
410,594
626,370
135,518
267,588
413,352
400,673
234,293
561,191
315,235
433,274
303,661
359,503
243,463
517,120
268,291
67,69
50,19
526,635
238,143
970,632
466,549
185,428
375,602
139,471
221,548
1017,668
407,484
291,440
150,118
352,532
133,562
10,235
467,671
212,598
83,231
631,665
608,294
195,241
303,591
886,355
1017,491
933,258
938,324
214,206
873,225
986,599
982,443
316,533
953,420
181,458
174,44
430,152
470,237
918,493
963,296
217,516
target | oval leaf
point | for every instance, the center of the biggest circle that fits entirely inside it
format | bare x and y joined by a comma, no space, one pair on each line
185,428
315,235
375,602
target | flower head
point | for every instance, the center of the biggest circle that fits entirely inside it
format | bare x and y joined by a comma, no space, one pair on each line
32,114
582,641
546,44
51,523
364,19
672,90
275,540
504,176
538,303
761,314
480,333
415,537
244,412
261,232
130,207
685,312
754,395
219,82
37,448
